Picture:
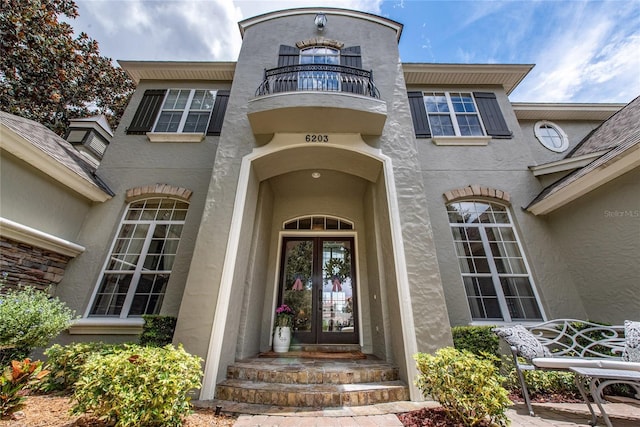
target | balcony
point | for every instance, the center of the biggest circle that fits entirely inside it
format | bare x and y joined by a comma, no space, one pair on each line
317,98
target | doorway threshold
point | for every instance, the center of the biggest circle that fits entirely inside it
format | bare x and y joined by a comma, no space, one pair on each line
320,351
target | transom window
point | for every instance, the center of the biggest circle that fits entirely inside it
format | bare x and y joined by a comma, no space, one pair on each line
185,110
319,79
551,136
136,274
318,223
452,114
494,271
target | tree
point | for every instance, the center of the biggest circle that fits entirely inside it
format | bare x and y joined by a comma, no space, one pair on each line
49,76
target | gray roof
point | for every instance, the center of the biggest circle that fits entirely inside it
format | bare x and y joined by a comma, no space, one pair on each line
54,146
619,134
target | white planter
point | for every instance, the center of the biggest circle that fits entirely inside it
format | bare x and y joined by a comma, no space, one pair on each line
281,339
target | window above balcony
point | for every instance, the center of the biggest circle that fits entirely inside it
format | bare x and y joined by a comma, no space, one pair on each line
319,88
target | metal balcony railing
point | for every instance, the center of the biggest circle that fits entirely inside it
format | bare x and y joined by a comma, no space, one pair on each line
318,77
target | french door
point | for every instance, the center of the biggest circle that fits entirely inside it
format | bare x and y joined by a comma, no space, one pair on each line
317,280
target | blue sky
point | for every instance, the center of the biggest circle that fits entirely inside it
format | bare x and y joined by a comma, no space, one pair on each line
584,51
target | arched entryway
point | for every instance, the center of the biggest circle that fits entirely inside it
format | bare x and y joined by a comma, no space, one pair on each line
279,182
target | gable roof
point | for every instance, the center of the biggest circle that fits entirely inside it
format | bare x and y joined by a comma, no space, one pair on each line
43,149
619,139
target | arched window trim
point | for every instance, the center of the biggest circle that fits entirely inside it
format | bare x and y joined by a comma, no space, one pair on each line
315,220
478,192
158,190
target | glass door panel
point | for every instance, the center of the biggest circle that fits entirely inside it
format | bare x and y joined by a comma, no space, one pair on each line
297,283
318,283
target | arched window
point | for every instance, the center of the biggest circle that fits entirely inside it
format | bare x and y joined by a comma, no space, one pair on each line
494,271
318,223
136,273
319,79
551,136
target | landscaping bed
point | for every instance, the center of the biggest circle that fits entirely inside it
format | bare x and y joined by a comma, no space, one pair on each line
53,411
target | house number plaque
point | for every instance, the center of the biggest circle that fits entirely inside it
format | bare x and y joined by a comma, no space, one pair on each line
316,138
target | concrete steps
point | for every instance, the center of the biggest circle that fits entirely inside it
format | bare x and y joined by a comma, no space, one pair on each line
305,382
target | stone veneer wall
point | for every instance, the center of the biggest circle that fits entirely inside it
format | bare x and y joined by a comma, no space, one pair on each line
23,264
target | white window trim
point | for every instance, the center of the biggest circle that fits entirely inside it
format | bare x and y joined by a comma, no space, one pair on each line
495,277
185,114
175,137
126,306
461,140
458,138
107,326
561,133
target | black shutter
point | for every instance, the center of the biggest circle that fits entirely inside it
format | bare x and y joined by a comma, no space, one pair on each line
217,116
147,112
288,55
492,117
419,115
351,57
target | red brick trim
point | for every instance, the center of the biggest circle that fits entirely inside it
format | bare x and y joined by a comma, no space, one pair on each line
158,190
475,191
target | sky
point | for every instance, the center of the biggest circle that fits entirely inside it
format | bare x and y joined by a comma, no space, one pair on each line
584,51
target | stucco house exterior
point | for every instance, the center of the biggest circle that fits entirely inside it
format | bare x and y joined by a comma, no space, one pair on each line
384,201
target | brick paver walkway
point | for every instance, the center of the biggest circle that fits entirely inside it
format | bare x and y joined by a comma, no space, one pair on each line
384,415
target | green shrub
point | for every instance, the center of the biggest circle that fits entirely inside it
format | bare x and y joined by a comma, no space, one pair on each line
29,318
65,362
13,379
138,386
540,382
479,340
468,387
157,330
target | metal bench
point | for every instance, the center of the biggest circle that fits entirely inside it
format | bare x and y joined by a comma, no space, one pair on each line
571,343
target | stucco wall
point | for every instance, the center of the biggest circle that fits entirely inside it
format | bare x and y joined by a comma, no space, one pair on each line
132,161
33,199
575,130
599,235
503,165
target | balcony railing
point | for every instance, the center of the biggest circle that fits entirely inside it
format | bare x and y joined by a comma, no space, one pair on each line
318,77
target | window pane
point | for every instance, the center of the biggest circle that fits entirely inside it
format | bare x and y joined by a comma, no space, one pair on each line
469,125
168,122
196,122
111,295
441,125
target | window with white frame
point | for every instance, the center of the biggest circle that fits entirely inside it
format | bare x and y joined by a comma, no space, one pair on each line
320,79
185,111
551,136
494,270
453,114
137,271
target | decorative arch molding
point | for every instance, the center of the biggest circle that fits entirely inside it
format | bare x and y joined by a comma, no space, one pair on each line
477,191
319,41
158,190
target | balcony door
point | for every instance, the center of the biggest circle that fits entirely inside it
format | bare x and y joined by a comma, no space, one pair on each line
317,280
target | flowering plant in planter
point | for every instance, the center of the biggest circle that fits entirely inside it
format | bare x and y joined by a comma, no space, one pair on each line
284,316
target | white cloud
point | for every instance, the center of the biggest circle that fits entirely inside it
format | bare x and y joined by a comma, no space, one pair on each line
195,30
594,54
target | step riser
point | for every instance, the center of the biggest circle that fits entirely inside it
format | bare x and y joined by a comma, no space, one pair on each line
311,399
311,376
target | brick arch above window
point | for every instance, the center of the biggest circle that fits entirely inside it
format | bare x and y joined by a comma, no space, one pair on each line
319,41
475,191
158,190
